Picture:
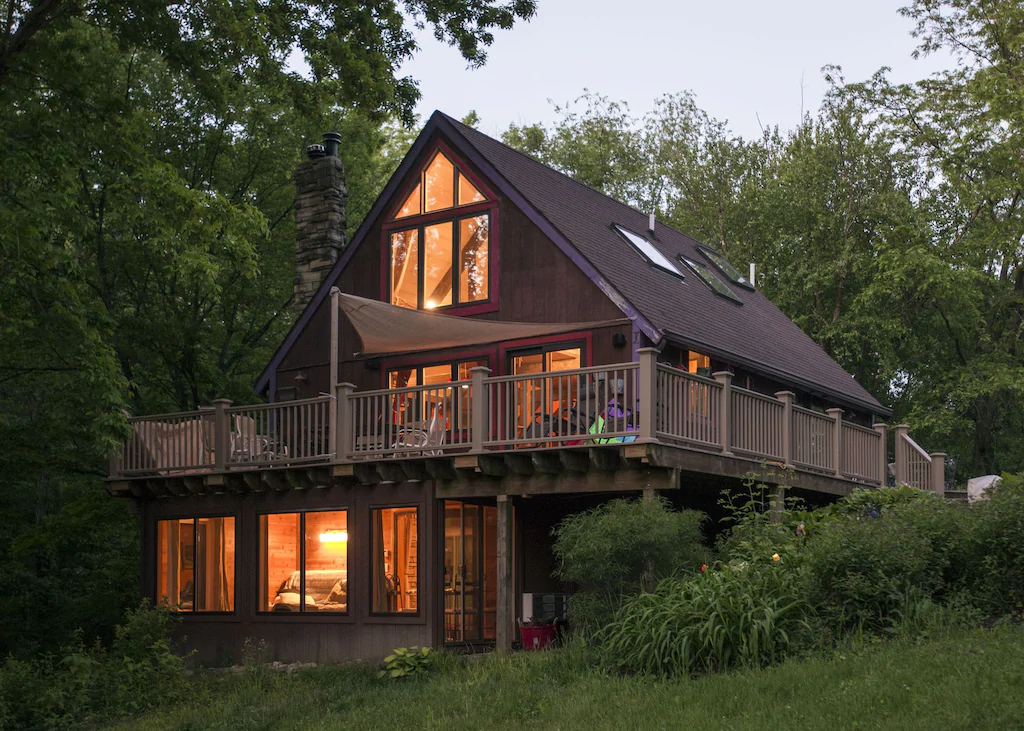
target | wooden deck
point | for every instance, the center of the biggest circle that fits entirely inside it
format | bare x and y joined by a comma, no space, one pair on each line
618,427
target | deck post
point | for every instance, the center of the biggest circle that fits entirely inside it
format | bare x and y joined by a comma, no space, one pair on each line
342,427
332,380
787,398
900,452
725,399
221,433
883,454
837,439
505,618
648,394
479,409
937,478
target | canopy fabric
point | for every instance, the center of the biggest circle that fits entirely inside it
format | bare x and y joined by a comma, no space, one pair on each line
386,328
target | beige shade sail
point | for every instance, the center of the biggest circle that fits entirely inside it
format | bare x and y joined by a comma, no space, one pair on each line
385,328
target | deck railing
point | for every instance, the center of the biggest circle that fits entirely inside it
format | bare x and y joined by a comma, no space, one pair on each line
642,402
415,420
290,431
598,404
757,423
687,408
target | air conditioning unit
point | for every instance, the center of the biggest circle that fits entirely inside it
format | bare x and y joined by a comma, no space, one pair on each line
543,606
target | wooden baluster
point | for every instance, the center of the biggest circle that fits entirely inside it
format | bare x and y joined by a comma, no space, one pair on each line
837,426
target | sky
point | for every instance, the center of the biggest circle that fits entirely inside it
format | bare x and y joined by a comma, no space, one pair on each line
750,63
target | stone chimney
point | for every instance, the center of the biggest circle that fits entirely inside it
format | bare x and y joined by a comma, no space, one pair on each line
320,196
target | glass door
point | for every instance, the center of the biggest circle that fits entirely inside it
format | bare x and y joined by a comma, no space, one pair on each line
470,567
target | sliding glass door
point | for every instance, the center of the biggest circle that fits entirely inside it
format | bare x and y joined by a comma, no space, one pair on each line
470,568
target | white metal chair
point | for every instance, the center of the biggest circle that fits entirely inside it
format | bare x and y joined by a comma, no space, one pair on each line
429,437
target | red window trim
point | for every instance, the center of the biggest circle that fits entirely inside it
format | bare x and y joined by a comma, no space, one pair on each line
489,206
587,336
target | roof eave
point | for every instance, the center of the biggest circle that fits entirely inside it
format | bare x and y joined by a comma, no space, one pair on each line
841,399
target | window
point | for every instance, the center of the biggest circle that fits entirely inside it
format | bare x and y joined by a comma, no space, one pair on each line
395,588
699,365
543,406
440,263
196,564
303,562
646,248
429,376
710,279
725,267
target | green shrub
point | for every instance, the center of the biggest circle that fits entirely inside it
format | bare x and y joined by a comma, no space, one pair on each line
623,547
406,662
744,614
861,569
997,543
86,683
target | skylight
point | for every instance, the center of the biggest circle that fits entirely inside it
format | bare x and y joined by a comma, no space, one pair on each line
725,267
652,255
710,279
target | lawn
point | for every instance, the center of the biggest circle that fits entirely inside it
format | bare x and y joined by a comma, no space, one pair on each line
965,680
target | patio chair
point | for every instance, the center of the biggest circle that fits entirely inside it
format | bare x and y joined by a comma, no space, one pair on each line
429,437
246,444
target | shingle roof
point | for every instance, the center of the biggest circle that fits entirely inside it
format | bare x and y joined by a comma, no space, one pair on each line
756,334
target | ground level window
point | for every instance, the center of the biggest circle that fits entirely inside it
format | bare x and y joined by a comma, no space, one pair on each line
395,561
304,562
195,569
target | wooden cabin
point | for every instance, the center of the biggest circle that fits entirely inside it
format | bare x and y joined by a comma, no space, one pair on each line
497,347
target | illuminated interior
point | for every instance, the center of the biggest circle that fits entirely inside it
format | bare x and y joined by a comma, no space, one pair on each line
395,572
196,564
304,562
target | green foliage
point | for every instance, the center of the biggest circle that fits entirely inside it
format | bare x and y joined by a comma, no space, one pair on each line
623,547
407,662
997,546
139,672
734,615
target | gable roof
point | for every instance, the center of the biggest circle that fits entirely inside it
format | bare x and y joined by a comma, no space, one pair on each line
581,221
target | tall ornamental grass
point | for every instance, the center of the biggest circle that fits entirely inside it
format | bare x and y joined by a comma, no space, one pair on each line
742,615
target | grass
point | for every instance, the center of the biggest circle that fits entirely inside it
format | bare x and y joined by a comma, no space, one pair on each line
964,680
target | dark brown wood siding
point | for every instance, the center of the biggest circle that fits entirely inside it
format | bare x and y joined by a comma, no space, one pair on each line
536,283
357,635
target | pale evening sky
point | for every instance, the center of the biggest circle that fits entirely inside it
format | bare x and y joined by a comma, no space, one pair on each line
744,60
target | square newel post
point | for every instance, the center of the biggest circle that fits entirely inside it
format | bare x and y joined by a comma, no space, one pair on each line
787,398
221,433
505,619
342,427
937,478
900,452
837,439
883,454
478,408
648,384
724,401
332,377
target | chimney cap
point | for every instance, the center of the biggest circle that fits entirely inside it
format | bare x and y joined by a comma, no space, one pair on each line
315,151
331,142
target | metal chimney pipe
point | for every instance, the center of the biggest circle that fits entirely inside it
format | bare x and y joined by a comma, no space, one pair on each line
650,224
753,281
331,142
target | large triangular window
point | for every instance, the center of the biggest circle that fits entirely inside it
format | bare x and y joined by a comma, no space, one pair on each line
436,260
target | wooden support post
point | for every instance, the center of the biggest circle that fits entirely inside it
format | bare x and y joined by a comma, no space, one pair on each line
648,494
479,410
725,399
883,455
506,615
837,440
937,478
648,394
776,504
221,433
787,398
900,432
332,433
342,427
